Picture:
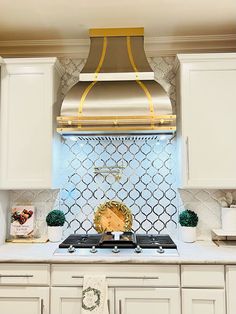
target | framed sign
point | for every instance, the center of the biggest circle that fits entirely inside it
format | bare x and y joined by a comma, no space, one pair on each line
22,221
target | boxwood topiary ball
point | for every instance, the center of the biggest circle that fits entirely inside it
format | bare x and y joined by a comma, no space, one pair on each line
55,218
188,218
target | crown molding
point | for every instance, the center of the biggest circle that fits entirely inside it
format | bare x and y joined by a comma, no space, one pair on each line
172,45
203,57
26,61
52,47
154,46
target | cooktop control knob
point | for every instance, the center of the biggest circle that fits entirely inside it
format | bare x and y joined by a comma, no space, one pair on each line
160,250
93,249
138,249
71,249
115,250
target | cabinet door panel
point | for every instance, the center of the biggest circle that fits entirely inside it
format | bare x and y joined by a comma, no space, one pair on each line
207,101
26,133
147,300
211,138
28,103
69,300
207,301
24,300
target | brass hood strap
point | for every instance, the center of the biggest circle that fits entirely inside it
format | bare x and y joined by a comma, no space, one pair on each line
104,49
146,91
90,86
83,97
141,84
131,58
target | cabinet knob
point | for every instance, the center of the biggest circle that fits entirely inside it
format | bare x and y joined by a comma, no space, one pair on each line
71,249
93,249
115,250
160,250
138,249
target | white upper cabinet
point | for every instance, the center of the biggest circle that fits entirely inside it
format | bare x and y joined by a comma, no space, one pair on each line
29,105
206,89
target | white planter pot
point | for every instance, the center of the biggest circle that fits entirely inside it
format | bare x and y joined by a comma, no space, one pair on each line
188,234
228,218
54,234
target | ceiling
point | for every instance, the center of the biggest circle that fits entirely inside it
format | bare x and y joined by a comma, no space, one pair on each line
63,19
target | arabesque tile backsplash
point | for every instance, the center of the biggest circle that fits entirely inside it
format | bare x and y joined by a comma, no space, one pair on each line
203,202
146,183
155,202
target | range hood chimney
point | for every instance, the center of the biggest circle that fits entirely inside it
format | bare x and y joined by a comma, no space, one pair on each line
116,92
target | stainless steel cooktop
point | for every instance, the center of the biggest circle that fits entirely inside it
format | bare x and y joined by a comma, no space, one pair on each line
118,243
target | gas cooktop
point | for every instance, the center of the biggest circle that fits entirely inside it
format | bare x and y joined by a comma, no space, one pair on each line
126,240
118,242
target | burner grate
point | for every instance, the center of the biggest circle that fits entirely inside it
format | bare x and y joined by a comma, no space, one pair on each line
150,241
81,241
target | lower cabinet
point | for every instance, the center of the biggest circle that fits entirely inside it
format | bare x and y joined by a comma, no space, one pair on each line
203,301
231,288
68,300
203,289
147,300
24,300
133,289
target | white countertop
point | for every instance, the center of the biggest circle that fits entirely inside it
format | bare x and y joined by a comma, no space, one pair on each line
200,252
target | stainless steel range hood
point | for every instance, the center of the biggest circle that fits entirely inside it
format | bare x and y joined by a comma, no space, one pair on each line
117,92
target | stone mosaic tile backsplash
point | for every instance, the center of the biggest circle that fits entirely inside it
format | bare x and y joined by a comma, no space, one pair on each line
157,216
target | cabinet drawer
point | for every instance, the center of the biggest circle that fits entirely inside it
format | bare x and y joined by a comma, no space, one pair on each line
24,274
118,275
209,276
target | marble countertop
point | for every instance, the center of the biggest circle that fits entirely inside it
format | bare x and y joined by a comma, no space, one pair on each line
200,252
